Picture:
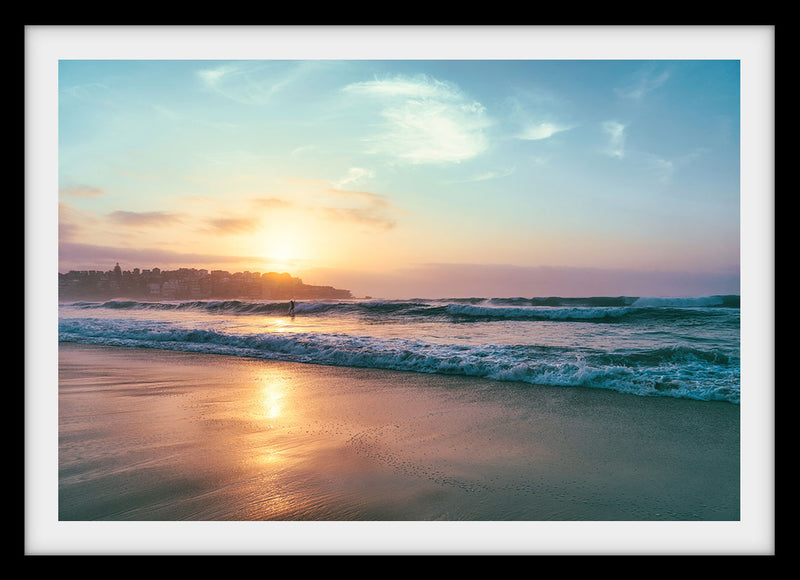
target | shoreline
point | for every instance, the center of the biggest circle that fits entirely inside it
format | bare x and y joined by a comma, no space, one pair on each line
162,435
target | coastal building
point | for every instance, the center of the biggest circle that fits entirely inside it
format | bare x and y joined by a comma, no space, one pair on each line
189,283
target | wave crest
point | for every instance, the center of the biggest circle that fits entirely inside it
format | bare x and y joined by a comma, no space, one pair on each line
461,310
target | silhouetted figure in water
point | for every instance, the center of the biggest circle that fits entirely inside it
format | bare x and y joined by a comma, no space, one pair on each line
291,307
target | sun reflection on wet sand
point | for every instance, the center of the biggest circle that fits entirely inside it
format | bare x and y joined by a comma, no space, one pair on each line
287,455
273,395
271,407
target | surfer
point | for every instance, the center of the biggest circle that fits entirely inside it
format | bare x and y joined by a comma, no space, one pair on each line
291,307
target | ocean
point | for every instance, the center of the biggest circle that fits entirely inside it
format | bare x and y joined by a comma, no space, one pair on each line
656,347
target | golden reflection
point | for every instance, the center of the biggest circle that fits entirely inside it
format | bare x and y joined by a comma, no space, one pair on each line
272,401
281,325
272,410
271,456
272,396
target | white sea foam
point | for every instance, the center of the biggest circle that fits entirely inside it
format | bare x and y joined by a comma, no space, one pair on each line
621,358
703,301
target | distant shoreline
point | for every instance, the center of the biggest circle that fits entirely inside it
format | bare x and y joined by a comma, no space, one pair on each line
189,284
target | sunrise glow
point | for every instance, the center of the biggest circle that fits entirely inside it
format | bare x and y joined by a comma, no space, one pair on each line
388,176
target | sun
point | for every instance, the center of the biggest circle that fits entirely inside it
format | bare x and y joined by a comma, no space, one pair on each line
281,252
292,246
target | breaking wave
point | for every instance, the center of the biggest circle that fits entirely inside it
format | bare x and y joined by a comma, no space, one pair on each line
461,310
679,371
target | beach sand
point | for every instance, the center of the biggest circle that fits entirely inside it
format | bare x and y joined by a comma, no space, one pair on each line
154,435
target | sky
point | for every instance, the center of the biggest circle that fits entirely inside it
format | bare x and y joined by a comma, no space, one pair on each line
408,178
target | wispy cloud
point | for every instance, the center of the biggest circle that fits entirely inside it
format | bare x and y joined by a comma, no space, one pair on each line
97,93
418,87
72,221
147,218
489,175
234,225
425,132
81,191
544,130
332,202
302,150
426,120
367,216
179,117
371,210
646,82
616,138
272,203
354,175
666,168
249,83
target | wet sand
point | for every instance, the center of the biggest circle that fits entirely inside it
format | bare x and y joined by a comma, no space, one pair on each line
148,435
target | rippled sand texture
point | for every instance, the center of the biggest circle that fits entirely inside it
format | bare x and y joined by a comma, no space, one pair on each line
156,435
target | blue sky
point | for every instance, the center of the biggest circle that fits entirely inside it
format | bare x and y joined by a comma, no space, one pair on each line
403,178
